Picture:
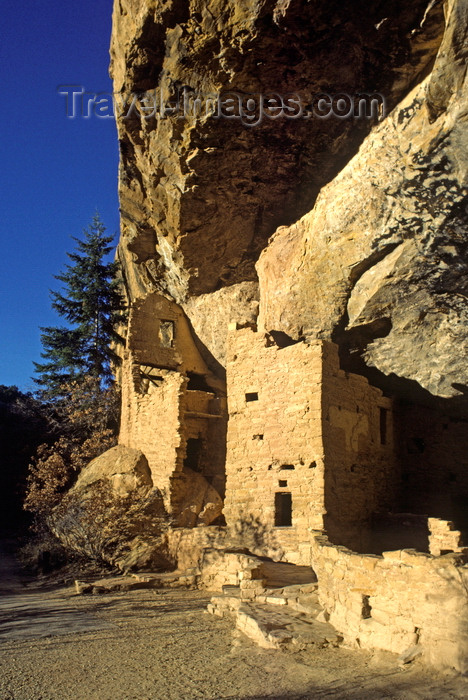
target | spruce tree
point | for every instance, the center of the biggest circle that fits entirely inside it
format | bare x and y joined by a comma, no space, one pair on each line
92,306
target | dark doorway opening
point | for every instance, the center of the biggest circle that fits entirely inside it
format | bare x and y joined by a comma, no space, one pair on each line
193,453
283,509
197,382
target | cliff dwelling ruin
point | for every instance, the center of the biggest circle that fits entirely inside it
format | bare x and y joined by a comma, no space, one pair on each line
295,364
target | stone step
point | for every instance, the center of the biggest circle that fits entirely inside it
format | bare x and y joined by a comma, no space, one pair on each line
224,605
293,593
272,627
306,604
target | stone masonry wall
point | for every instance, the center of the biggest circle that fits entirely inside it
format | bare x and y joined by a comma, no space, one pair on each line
151,346
174,410
444,538
186,546
151,421
396,601
299,425
274,442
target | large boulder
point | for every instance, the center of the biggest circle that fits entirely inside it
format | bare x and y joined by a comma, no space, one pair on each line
124,468
113,513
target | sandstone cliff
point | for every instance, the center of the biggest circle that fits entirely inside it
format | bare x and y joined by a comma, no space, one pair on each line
378,260
385,249
289,252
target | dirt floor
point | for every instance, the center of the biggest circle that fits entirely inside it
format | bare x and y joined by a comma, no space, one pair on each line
162,645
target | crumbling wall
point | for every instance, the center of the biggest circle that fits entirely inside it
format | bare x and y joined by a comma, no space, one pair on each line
396,601
444,538
204,419
170,398
151,421
186,546
154,343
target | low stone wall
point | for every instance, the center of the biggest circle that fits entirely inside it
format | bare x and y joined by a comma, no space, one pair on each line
185,546
396,601
444,538
225,568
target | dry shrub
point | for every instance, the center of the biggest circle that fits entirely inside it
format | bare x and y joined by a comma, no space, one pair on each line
85,427
106,527
94,521
56,467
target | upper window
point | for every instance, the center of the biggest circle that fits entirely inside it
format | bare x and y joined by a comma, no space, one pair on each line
166,333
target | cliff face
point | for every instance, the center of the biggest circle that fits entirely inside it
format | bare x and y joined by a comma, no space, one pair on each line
370,216
384,250
337,244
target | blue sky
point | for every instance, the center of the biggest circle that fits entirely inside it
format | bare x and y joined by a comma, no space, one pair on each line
55,172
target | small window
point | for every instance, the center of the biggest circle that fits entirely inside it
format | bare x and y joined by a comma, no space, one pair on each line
282,483
287,466
252,396
383,426
283,509
366,609
166,333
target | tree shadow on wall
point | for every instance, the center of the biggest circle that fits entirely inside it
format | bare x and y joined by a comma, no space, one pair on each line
251,533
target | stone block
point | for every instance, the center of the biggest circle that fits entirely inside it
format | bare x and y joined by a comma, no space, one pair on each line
276,600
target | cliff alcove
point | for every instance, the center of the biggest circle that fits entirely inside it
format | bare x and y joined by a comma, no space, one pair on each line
295,369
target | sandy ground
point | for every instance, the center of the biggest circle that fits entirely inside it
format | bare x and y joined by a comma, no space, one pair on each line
162,645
